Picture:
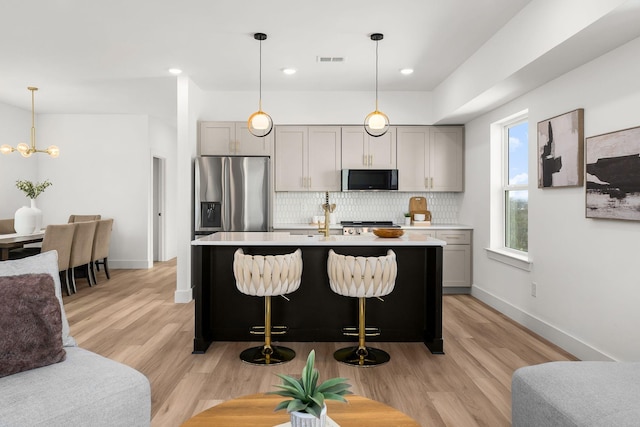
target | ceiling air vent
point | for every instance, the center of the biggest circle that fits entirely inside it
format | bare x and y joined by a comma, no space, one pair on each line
330,58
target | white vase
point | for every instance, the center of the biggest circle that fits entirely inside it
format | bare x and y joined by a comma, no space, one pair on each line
302,419
25,221
38,214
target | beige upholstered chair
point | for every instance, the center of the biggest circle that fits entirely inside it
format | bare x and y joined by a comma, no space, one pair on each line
81,249
59,237
267,276
362,277
6,226
83,218
100,251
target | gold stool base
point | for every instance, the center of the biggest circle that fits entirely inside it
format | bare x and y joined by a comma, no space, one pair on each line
261,356
365,357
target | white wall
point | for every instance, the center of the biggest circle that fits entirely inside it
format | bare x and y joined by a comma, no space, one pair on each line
586,271
15,127
324,108
104,168
163,142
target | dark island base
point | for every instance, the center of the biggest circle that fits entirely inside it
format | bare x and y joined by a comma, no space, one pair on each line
411,313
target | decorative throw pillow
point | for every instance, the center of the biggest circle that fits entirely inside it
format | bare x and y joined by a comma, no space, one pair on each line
46,262
30,323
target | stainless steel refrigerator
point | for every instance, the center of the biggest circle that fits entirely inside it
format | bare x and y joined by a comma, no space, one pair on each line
231,194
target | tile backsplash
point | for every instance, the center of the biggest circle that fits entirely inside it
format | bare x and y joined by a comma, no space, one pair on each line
299,208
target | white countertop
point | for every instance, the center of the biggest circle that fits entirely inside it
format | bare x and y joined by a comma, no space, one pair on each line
286,239
277,227
437,227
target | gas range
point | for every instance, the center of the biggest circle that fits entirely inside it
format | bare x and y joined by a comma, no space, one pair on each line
359,227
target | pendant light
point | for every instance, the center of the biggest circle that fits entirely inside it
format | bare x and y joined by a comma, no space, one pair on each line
260,123
25,149
376,123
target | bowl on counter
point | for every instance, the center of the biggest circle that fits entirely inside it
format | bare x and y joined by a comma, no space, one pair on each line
419,217
388,232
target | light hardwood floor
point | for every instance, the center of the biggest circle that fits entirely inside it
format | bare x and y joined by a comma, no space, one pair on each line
132,319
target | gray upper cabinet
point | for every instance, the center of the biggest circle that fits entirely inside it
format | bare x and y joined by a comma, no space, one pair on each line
362,151
232,139
307,158
430,158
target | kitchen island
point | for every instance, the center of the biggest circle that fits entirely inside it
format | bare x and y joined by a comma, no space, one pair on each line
412,312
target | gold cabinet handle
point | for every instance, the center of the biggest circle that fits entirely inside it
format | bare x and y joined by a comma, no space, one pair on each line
431,186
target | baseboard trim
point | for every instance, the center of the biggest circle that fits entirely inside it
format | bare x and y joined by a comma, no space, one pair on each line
456,290
130,264
560,338
182,296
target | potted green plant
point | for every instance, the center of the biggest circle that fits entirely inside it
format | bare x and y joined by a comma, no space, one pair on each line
32,190
306,406
29,219
407,218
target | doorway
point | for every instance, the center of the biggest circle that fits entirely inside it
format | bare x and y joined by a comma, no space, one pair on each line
158,209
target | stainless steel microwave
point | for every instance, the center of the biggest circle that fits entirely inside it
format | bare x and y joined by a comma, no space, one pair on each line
369,179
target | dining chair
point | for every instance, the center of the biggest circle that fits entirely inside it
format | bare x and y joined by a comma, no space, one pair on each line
59,237
81,249
100,251
83,218
6,226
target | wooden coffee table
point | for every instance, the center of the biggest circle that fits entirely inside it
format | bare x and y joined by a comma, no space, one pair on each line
256,410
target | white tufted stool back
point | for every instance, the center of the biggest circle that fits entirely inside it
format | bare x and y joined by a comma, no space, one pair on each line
267,275
362,277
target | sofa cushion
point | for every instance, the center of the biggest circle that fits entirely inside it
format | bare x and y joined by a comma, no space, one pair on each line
30,323
47,263
569,394
84,390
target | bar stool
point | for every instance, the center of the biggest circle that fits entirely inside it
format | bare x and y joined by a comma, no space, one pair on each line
362,277
267,276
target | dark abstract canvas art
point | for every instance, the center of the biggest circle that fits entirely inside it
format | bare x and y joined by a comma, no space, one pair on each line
613,175
560,150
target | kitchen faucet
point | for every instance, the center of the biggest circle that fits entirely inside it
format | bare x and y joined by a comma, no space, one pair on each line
328,209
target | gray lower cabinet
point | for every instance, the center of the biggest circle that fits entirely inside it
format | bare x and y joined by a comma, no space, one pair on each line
456,258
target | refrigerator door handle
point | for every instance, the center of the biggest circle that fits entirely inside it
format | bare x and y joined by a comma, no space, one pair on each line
226,192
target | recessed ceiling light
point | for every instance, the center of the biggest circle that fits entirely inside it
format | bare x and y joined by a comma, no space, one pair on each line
175,71
289,71
406,71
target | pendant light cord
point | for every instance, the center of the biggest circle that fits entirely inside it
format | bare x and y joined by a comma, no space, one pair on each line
260,85
376,75
33,119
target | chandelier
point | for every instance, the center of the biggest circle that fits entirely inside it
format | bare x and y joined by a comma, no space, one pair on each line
25,149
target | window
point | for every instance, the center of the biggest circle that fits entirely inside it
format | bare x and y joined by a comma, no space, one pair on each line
515,184
509,191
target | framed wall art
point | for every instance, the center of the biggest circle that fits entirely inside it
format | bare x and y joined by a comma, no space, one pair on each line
613,175
561,150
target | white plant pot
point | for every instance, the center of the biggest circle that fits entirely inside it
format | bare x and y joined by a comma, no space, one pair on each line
302,419
38,214
25,221
407,220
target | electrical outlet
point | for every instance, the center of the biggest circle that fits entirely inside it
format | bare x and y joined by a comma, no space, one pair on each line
534,289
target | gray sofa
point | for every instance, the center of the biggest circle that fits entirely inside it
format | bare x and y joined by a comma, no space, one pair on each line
85,389
559,394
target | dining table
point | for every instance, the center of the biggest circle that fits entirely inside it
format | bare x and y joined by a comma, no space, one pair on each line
14,241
